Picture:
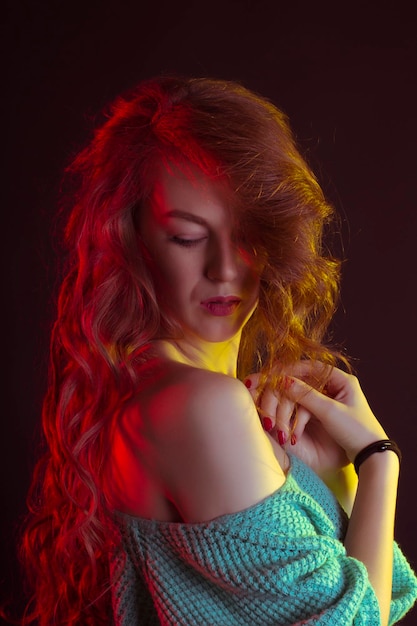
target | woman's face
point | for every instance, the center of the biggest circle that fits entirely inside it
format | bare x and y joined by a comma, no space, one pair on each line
203,279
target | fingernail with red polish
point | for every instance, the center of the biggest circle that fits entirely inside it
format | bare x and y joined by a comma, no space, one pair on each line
282,438
267,424
248,383
293,439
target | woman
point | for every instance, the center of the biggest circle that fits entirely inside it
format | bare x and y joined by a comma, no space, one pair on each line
196,259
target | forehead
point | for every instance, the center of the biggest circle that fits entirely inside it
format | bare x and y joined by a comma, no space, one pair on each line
187,189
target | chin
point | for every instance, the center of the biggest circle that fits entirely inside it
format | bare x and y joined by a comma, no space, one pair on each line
218,335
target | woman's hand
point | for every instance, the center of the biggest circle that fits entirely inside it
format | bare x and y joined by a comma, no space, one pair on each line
341,409
276,412
326,429
295,429
332,425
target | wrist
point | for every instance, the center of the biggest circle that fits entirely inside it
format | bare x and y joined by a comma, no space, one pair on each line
376,448
380,463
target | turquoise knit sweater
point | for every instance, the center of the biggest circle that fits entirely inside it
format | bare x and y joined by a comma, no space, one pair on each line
279,562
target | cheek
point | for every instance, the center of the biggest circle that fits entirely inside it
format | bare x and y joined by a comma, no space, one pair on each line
164,278
173,278
253,282
171,270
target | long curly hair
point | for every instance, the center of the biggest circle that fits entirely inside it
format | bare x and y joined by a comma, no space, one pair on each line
108,310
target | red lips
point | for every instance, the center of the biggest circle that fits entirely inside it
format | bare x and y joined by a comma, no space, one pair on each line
221,305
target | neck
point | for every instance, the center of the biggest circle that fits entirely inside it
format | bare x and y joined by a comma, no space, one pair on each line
216,357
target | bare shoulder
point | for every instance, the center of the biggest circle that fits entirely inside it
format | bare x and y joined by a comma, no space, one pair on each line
196,402
214,457
212,395
177,395
189,446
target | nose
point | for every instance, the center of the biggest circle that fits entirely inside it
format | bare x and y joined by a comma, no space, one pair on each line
223,262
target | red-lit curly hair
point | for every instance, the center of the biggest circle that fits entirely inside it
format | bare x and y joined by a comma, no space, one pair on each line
108,311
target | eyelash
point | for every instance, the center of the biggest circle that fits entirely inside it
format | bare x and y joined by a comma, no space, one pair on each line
187,243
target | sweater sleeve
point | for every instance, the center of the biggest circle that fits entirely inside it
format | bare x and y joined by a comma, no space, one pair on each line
404,586
292,572
279,562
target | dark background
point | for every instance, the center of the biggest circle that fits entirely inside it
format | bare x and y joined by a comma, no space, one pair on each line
346,76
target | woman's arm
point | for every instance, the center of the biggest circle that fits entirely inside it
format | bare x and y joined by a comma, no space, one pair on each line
346,416
371,527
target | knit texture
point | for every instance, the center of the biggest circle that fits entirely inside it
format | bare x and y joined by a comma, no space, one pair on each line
279,562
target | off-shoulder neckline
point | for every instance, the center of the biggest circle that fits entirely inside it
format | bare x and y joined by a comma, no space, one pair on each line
144,522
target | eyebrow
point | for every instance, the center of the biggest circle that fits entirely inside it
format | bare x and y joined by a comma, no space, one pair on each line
190,217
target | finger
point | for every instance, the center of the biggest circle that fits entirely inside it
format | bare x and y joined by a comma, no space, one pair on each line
332,381
267,404
277,414
314,373
269,401
350,422
267,421
300,422
311,399
285,415
251,383
264,406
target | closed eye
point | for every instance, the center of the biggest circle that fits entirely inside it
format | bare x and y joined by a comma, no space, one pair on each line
187,243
